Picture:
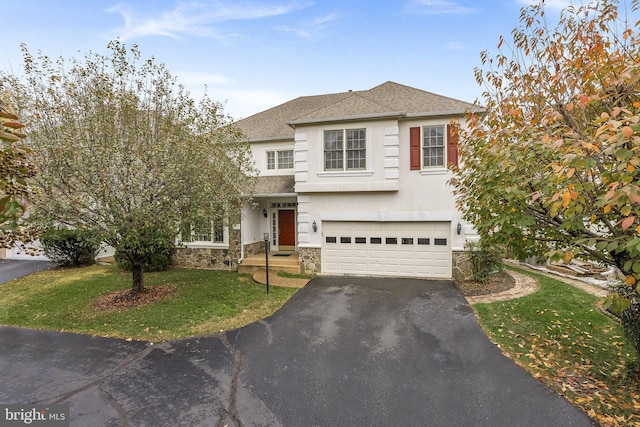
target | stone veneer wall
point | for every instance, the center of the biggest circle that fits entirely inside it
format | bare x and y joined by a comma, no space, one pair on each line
253,248
310,260
461,267
210,258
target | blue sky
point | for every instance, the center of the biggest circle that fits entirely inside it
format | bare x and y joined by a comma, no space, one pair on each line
254,55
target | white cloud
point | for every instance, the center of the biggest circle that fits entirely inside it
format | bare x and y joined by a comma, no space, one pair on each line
300,32
438,7
325,19
195,18
238,103
311,28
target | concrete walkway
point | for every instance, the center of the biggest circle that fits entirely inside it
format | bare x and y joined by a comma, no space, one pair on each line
260,276
587,287
526,285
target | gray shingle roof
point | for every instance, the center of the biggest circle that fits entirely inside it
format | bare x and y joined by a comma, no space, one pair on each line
275,185
387,99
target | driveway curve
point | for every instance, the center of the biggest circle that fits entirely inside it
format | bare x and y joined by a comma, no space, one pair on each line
12,268
342,352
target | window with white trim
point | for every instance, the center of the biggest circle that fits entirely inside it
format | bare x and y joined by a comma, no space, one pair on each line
284,159
204,232
336,151
433,146
271,160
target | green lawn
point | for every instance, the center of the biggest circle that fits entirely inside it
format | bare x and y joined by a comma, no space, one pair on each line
204,302
561,336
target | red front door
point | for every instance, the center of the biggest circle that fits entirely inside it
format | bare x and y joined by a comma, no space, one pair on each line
287,228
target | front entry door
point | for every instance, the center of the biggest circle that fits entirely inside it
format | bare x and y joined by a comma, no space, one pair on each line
287,229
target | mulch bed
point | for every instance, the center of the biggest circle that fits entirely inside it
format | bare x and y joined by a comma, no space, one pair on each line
496,282
128,299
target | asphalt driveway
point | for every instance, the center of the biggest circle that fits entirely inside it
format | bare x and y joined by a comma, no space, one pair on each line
341,352
13,268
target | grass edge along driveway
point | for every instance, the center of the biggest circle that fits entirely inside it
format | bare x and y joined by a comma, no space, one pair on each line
204,302
561,336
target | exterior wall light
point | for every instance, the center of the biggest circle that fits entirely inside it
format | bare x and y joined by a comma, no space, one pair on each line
459,227
264,212
314,226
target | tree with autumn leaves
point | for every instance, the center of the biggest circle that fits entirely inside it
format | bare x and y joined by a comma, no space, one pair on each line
552,166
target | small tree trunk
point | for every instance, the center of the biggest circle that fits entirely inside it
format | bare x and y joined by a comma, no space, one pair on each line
138,277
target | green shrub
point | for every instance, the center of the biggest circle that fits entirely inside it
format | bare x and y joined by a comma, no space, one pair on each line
70,248
484,261
159,260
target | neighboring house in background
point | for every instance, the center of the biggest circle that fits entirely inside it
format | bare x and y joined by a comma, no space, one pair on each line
355,182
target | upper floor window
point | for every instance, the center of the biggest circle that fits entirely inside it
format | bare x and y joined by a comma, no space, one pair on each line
340,156
284,159
433,146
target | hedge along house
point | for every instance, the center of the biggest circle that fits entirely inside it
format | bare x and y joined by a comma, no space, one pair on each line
354,183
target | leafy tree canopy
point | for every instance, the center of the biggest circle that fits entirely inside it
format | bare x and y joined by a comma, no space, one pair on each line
553,165
124,150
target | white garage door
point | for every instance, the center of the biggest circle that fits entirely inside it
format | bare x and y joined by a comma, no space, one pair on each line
406,249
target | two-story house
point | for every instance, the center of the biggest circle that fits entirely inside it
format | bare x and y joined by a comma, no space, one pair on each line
356,183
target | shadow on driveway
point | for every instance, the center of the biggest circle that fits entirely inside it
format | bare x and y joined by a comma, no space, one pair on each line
342,352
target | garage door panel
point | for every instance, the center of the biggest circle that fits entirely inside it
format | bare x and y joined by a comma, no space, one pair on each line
418,249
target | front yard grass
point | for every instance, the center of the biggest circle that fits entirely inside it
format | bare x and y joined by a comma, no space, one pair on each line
204,302
561,336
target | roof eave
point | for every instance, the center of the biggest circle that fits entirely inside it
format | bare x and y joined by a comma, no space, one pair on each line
271,139
262,195
354,118
443,113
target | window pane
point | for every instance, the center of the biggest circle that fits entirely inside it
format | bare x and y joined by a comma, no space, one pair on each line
423,241
331,240
433,146
218,232
361,240
407,240
201,231
356,149
333,140
440,242
285,159
356,139
391,240
375,240
271,160
333,154
345,240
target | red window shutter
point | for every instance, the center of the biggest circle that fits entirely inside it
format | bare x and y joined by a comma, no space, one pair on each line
414,143
452,145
